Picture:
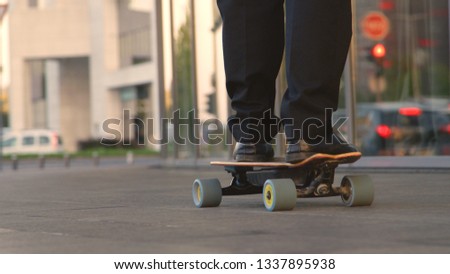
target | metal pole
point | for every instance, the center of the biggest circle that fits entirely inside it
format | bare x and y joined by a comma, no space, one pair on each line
174,76
15,162
67,160
194,80
349,84
41,160
161,83
349,102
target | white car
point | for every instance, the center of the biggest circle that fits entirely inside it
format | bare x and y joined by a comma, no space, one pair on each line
35,141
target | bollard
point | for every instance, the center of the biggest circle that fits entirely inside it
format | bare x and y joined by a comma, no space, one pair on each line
41,160
130,157
96,158
66,160
15,162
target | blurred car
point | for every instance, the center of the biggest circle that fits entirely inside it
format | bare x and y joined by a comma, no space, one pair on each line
442,133
36,141
396,129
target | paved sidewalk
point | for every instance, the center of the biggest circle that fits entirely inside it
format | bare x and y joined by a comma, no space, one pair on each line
137,209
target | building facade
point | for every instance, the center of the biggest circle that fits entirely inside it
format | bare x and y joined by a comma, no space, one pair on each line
76,64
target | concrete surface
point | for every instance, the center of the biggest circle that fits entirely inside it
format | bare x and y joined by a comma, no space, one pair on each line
137,209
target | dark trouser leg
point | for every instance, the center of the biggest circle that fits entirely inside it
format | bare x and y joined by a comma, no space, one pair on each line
253,43
318,35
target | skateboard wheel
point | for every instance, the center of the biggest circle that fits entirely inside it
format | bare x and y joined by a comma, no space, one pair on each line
207,193
279,194
357,190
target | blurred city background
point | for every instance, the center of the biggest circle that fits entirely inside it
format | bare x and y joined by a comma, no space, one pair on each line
68,66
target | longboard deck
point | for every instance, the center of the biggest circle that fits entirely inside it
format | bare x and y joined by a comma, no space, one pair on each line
345,158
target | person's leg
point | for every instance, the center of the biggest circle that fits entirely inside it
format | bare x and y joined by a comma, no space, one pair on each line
253,44
318,35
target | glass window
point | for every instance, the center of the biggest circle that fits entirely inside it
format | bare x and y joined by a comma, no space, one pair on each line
11,142
37,80
134,32
44,140
28,141
181,101
33,3
40,3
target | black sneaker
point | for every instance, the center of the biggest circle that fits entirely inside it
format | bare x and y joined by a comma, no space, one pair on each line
301,150
253,152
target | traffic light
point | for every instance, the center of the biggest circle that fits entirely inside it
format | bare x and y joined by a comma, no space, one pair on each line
377,54
387,5
378,51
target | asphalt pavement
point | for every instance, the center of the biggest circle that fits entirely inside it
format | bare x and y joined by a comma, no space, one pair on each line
148,208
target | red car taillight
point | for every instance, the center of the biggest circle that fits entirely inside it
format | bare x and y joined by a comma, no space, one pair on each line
445,129
384,131
411,111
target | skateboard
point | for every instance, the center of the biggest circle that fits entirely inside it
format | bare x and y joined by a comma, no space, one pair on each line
281,183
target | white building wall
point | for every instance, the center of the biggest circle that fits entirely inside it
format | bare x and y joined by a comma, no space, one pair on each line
106,75
97,64
53,106
59,29
74,102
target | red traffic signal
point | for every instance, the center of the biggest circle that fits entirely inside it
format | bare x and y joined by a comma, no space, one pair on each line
378,51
